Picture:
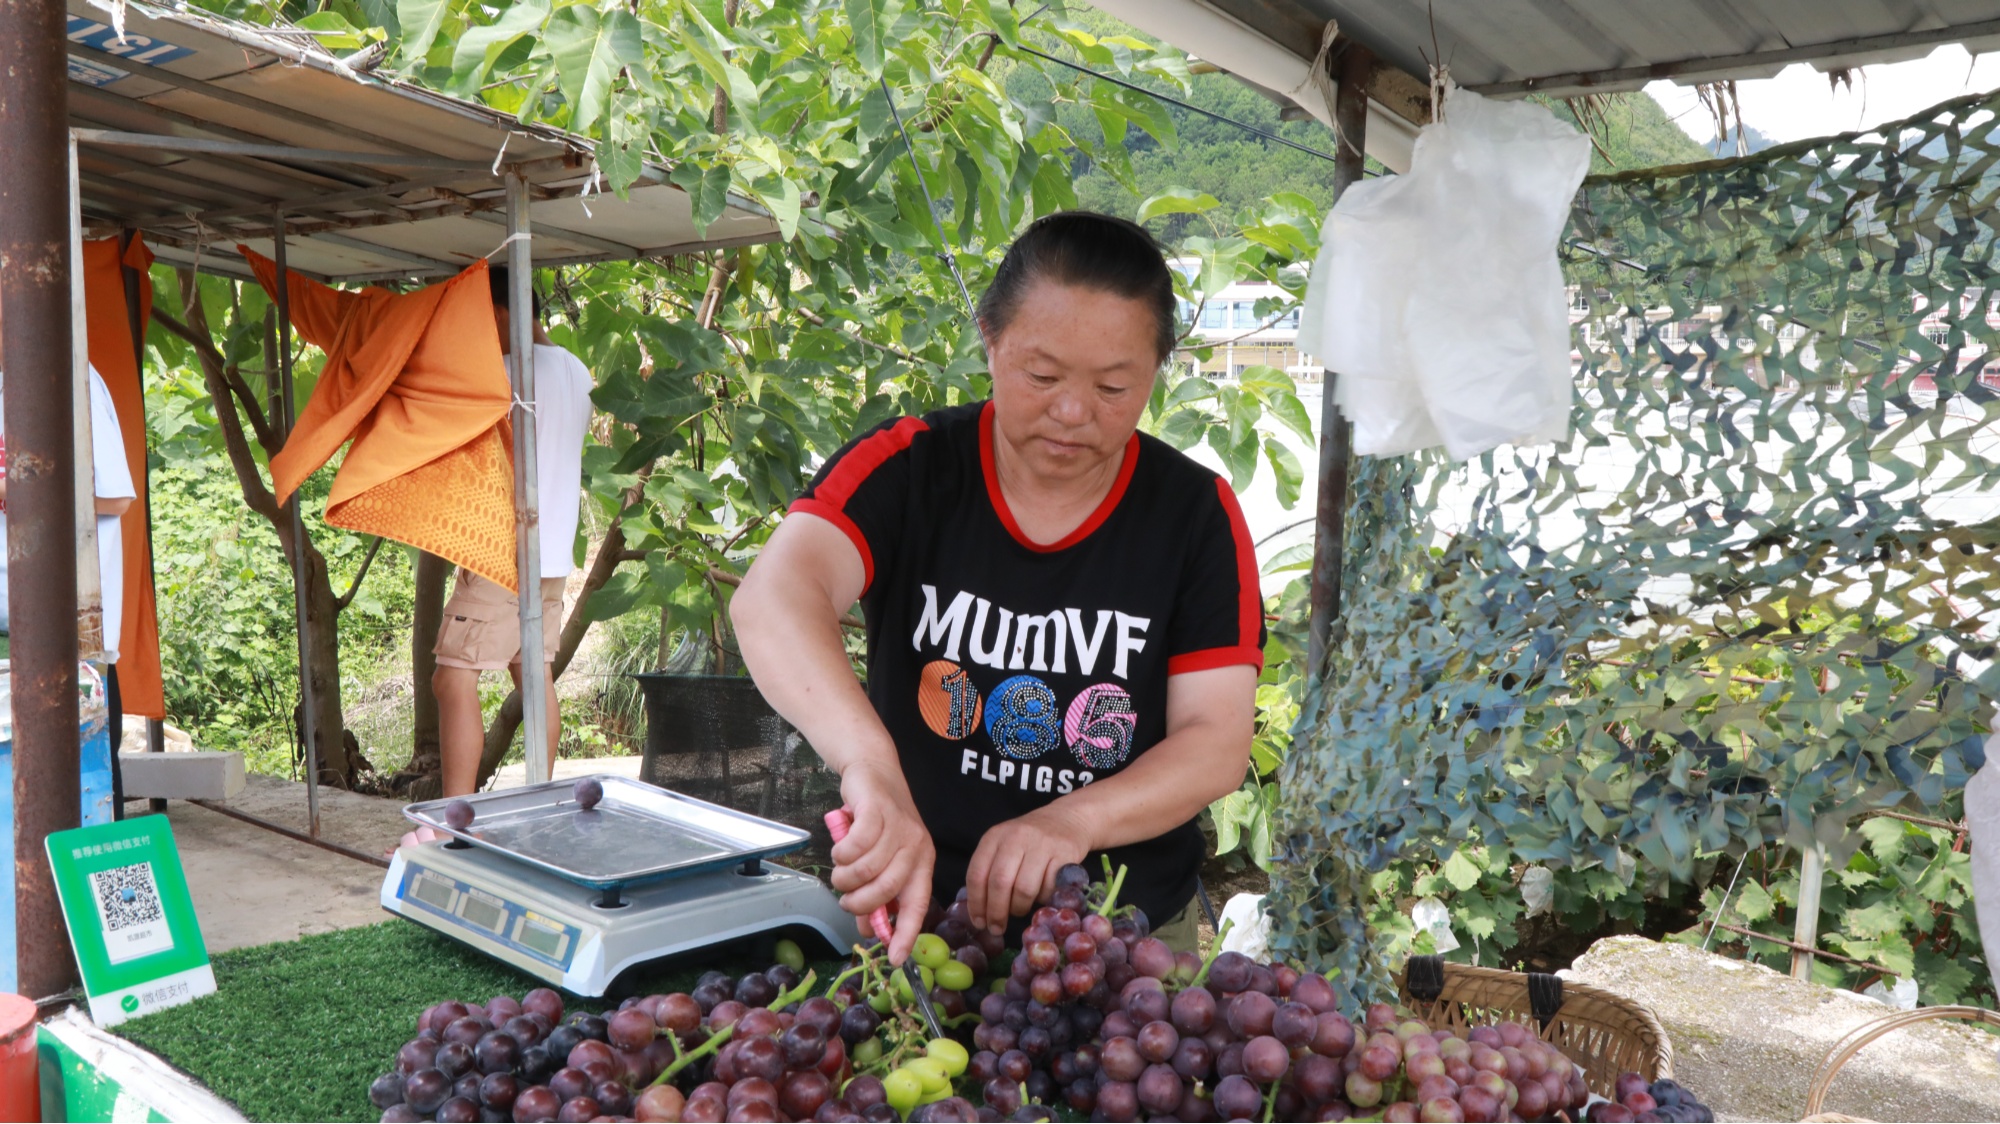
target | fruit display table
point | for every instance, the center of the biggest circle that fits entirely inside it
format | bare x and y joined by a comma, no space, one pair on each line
1084,1016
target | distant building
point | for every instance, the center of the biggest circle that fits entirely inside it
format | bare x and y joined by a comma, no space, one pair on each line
1248,324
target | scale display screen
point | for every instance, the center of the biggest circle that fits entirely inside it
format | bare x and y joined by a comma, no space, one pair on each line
492,917
434,891
486,915
541,936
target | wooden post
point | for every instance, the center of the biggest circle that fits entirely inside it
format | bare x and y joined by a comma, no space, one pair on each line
1353,65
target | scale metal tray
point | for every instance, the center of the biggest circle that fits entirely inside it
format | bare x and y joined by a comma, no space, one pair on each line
639,832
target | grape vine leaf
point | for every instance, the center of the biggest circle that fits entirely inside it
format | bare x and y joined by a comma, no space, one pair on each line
1461,871
1753,903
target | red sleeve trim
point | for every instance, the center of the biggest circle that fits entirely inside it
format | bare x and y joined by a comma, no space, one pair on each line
829,498
1212,658
1250,599
838,518
869,454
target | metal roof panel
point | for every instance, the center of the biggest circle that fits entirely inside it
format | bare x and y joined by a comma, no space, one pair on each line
1570,46
420,194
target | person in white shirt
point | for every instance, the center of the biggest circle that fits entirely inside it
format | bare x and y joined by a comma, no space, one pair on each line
113,493
481,629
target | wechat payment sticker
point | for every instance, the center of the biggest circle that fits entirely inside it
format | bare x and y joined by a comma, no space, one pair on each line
129,913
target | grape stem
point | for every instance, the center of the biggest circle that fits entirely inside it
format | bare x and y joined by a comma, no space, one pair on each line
869,971
714,1043
1270,1101
1111,889
797,994
841,979
1214,950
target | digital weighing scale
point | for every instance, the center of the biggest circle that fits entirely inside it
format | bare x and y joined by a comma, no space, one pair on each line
577,897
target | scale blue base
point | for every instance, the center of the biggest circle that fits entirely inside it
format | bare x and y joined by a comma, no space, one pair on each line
583,938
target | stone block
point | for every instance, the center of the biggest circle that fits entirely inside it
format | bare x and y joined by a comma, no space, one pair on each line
1748,1041
202,774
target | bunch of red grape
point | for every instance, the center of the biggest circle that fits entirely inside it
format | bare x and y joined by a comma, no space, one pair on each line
1662,1100
1095,1017
762,1047
1108,1020
509,1060
1500,1072
1100,1017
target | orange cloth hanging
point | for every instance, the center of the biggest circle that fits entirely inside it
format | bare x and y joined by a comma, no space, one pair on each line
110,326
417,382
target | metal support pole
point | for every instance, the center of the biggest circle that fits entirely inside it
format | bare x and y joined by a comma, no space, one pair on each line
289,412
41,485
527,502
1805,930
1354,64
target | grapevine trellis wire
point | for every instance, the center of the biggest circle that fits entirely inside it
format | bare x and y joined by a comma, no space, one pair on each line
1751,599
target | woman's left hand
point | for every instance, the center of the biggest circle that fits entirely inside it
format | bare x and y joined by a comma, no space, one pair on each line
1016,863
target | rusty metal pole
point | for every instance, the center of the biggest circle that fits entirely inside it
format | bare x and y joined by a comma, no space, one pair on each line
1353,65
41,483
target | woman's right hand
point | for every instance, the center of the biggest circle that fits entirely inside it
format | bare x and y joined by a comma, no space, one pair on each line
787,616
887,856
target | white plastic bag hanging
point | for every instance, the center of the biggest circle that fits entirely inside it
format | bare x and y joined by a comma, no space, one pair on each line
1374,222
1437,297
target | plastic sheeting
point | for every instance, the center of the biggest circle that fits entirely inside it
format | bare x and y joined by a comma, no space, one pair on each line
1437,296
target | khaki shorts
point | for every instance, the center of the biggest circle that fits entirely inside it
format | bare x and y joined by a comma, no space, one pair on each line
482,624
1183,932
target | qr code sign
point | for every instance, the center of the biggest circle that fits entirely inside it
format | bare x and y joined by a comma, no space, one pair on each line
126,896
128,905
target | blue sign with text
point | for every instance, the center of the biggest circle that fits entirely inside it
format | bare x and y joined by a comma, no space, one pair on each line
133,48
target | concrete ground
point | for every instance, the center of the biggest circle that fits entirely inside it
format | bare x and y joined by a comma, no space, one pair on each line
252,886
516,775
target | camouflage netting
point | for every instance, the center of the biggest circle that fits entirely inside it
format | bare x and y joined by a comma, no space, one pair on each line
1753,598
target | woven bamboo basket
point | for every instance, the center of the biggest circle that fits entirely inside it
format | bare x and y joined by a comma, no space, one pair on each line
1601,1032
1851,1043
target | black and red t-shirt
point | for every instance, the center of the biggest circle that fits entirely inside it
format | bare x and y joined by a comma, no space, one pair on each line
1010,673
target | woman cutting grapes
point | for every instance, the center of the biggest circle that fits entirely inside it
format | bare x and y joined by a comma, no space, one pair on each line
1064,626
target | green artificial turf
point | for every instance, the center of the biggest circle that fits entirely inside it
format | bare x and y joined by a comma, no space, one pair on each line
297,1030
